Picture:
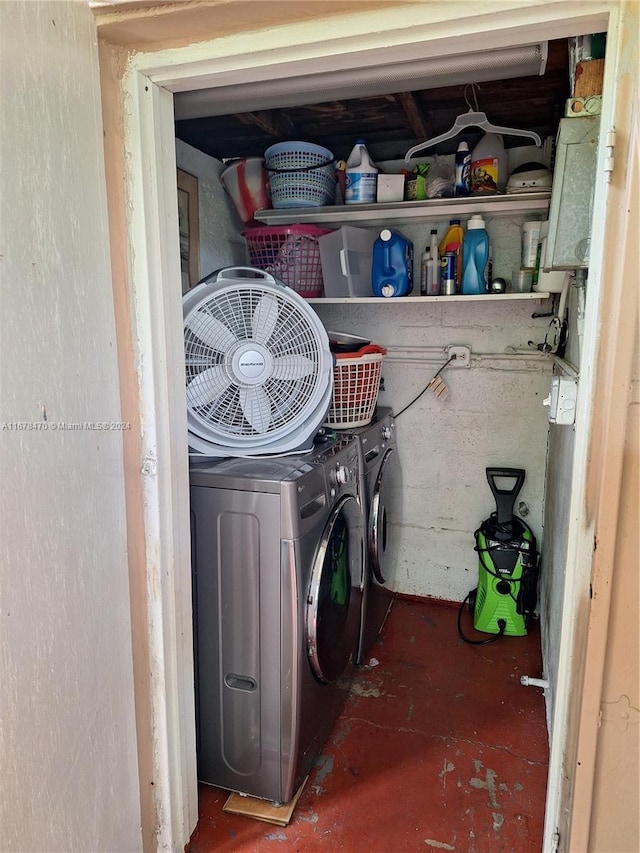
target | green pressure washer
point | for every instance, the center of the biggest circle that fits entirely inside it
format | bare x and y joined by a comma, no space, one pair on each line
506,596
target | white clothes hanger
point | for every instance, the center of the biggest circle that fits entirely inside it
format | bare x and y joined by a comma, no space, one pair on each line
471,119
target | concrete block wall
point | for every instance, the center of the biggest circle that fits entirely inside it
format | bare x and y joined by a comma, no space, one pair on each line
492,415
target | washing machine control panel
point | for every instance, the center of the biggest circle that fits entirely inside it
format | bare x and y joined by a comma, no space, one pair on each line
341,461
386,431
340,475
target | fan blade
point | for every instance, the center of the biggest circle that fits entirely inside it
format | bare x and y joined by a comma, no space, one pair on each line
207,386
197,361
264,318
211,331
292,367
256,408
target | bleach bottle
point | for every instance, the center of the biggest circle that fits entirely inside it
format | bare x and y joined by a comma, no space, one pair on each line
392,265
475,257
488,166
361,177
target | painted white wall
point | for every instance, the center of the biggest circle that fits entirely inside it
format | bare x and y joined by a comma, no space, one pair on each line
69,778
220,225
556,524
554,551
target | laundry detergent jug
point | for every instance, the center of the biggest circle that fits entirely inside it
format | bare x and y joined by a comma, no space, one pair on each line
475,254
392,265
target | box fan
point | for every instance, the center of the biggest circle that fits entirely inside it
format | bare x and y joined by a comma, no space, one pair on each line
259,370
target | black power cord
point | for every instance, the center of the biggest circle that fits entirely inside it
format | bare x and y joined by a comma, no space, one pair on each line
502,626
426,387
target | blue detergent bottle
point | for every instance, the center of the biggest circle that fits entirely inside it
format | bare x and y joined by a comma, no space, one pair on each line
392,265
475,257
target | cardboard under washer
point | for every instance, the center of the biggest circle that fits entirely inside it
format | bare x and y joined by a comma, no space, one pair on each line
263,809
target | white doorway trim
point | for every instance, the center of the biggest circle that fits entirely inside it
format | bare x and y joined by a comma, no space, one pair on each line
155,282
156,309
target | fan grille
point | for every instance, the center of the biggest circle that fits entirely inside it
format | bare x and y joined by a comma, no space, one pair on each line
249,319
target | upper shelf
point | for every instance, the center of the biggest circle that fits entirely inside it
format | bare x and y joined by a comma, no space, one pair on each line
408,211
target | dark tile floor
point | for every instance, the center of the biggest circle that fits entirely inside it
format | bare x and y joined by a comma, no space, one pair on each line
439,748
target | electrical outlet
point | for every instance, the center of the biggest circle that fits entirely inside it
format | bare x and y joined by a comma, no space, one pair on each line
461,356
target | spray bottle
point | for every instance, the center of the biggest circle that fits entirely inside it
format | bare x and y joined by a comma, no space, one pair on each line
463,170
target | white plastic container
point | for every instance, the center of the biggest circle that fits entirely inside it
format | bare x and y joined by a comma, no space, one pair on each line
521,280
361,177
551,281
489,166
530,240
346,256
390,188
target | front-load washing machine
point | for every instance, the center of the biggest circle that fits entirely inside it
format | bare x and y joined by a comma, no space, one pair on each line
382,488
278,572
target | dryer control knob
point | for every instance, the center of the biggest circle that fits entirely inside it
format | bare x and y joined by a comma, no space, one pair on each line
341,475
386,432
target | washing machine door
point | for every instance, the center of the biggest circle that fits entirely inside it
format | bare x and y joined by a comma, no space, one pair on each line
382,513
335,592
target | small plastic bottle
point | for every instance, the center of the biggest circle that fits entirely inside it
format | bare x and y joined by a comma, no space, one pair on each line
463,170
476,257
448,281
425,263
361,177
453,235
433,273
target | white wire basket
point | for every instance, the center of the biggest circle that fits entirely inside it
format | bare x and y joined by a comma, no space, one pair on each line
356,384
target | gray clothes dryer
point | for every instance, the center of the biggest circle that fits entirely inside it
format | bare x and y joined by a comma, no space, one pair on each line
382,491
278,571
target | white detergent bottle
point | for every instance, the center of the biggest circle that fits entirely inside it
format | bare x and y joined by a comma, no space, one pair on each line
489,166
361,178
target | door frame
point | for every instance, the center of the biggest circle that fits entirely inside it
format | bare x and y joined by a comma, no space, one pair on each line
154,267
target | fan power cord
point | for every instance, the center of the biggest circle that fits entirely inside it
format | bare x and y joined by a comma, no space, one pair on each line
427,386
502,626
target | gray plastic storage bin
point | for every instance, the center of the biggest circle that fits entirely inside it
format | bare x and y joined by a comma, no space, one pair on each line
346,256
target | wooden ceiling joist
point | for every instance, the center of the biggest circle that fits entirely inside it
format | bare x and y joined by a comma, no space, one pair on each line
276,124
414,115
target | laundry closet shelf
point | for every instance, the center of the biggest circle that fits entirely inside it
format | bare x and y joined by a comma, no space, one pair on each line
409,211
380,300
